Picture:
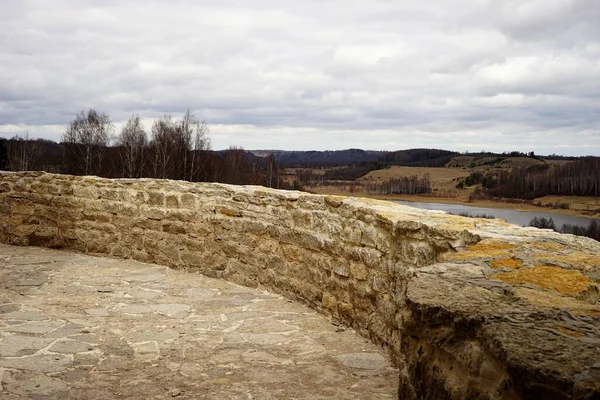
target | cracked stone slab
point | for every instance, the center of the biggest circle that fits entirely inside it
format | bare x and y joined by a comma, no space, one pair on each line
71,347
36,327
40,363
67,329
25,316
30,384
17,345
9,308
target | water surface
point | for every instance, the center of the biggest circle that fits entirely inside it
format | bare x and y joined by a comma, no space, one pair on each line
512,216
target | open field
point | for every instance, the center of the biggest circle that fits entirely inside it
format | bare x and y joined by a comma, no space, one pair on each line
584,205
440,177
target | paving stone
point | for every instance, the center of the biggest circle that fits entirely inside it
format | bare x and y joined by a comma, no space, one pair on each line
97,312
370,361
145,350
134,309
146,294
65,330
33,281
158,334
36,327
264,358
199,293
29,383
71,347
40,363
9,308
89,338
172,309
25,316
150,277
17,345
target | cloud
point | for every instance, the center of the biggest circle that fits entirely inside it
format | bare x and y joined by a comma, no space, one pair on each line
462,75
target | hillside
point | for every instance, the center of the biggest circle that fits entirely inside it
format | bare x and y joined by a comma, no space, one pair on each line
514,180
316,159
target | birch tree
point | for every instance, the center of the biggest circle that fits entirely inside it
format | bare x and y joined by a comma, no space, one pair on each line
85,141
23,152
132,144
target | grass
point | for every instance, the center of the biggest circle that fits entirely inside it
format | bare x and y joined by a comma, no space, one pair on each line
440,177
585,205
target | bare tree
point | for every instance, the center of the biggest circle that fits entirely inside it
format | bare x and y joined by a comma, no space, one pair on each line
184,144
164,146
199,144
85,141
235,166
3,155
23,152
179,148
132,144
272,171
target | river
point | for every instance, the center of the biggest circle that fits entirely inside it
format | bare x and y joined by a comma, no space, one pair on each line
512,216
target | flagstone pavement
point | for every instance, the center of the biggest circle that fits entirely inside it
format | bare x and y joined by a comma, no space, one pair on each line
74,326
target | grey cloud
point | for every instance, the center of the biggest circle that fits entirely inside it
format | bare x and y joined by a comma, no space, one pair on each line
494,74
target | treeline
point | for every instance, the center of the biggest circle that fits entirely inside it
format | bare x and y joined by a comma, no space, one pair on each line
404,185
577,178
417,158
173,149
591,231
325,159
382,159
352,172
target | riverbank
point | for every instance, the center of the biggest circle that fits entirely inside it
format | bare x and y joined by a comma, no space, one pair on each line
584,207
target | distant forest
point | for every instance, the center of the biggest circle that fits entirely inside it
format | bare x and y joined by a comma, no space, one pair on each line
580,177
173,149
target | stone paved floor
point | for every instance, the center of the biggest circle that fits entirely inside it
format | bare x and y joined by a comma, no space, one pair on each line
79,327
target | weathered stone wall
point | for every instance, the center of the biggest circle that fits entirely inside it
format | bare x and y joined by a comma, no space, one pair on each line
515,315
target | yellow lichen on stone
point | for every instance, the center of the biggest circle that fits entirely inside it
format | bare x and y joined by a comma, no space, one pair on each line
483,249
510,263
546,246
578,259
563,281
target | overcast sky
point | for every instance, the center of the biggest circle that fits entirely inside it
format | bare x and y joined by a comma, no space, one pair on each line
464,75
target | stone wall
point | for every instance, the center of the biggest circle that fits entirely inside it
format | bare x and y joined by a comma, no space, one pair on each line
468,308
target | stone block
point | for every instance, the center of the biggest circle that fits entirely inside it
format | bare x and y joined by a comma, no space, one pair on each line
188,201
329,302
172,201
156,199
174,228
